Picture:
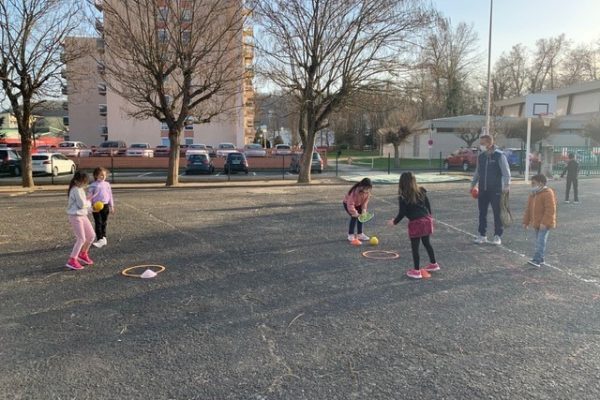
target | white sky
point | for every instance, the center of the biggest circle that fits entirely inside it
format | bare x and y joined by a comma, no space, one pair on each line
525,21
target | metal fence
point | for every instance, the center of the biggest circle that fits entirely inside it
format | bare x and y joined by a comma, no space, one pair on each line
588,158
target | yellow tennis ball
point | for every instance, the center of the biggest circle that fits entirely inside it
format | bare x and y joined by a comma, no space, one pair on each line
374,241
98,206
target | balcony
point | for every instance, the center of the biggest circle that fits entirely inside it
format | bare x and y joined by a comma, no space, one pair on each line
103,130
99,5
102,89
103,110
64,90
65,105
63,73
99,25
248,52
101,68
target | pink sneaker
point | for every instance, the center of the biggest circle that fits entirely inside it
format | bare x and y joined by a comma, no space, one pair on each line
85,258
432,267
414,273
73,264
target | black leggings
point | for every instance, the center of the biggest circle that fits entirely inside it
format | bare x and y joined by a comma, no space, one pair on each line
354,222
414,244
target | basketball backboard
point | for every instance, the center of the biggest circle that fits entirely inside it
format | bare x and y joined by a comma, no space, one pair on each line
539,104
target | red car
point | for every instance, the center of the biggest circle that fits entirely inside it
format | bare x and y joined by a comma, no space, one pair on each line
462,158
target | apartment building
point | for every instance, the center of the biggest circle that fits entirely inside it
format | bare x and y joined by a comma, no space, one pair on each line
97,113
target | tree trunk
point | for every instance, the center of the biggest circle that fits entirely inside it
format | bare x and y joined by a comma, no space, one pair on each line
173,173
306,162
27,175
396,155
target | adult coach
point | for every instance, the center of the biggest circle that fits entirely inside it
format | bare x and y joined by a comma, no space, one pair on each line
493,175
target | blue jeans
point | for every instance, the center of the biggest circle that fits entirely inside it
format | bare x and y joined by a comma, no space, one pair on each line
487,197
541,237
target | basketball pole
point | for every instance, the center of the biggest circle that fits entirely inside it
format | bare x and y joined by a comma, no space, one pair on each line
489,88
527,147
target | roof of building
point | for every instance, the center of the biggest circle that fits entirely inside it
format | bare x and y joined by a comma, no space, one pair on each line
566,91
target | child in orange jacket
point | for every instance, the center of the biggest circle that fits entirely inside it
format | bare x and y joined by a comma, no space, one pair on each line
540,214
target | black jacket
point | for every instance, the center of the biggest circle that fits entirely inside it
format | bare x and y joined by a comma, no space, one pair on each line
571,169
413,211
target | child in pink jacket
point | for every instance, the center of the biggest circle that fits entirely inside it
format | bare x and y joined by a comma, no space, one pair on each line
355,203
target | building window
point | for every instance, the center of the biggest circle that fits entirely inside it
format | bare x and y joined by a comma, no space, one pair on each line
186,37
186,15
163,36
102,88
164,126
163,14
104,130
103,109
189,140
66,121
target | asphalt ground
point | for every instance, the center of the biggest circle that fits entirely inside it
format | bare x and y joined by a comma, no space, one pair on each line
263,298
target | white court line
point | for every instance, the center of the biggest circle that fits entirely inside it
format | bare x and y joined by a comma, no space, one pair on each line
564,271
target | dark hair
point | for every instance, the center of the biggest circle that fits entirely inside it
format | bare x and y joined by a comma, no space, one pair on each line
365,183
79,178
541,178
408,189
487,137
97,171
571,156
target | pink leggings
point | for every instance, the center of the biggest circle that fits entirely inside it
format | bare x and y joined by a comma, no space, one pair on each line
84,232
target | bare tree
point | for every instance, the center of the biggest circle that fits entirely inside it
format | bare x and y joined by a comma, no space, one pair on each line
450,56
32,34
325,51
179,62
510,73
543,72
469,133
398,129
579,65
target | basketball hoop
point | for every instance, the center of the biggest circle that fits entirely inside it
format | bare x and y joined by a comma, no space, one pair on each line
547,118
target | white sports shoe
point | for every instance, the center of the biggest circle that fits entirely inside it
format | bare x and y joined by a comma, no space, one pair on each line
351,238
362,236
104,241
497,241
480,240
98,243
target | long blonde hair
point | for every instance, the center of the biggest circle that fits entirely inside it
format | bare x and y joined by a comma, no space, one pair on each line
408,189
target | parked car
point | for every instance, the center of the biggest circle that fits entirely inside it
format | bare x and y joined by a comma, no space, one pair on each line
139,150
515,158
236,162
462,158
223,149
73,149
211,151
315,166
51,164
195,148
254,150
44,149
282,149
10,161
199,164
111,148
162,151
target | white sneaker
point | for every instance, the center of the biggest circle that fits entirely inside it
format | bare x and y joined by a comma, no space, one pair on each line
100,243
362,236
567,201
497,241
480,240
576,202
351,238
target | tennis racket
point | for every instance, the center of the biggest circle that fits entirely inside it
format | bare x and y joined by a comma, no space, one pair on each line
366,217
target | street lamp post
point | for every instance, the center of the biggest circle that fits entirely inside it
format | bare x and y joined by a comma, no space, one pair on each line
489,88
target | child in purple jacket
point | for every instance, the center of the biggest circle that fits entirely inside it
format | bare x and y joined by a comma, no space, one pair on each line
100,191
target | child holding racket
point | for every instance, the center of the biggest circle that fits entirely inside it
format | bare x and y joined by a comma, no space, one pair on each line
414,205
355,204
100,190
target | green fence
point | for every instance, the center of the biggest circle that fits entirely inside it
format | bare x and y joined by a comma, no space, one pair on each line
587,157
